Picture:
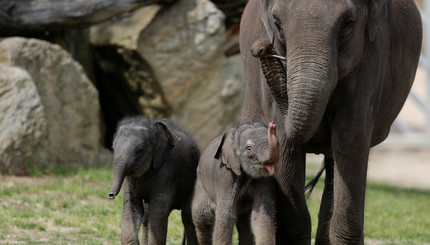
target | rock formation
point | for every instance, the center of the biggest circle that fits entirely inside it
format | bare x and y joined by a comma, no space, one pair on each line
62,98
183,45
52,110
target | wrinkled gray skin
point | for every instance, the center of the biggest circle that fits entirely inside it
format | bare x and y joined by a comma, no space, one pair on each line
349,66
157,162
232,187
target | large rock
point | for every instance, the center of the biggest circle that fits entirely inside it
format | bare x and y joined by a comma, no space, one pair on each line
61,117
23,130
183,45
127,86
126,82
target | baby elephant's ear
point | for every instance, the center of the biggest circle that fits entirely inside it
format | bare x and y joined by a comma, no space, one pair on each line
225,152
165,143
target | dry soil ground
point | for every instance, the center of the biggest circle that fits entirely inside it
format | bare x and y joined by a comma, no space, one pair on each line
398,166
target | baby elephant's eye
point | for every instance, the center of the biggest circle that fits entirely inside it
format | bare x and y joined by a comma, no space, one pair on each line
249,149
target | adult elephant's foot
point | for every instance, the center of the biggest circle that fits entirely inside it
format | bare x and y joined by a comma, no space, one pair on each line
338,238
293,240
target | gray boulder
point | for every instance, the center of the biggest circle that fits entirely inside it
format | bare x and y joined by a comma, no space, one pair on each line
126,82
58,111
183,45
23,129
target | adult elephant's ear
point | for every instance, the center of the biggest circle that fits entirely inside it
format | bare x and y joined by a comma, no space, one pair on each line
377,12
164,143
225,152
265,18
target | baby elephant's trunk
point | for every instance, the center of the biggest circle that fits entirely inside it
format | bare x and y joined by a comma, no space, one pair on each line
274,148
118,178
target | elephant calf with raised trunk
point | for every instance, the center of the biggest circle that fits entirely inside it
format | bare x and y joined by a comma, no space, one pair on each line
232,187
157,162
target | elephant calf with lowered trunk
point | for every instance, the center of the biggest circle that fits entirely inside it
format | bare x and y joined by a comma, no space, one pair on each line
157,162
231,188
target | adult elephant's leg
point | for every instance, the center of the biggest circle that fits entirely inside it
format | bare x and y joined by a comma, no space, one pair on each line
351,143
326,207
293,219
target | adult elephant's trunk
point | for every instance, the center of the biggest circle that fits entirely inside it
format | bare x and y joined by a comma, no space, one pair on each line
302,93
309,88
118,179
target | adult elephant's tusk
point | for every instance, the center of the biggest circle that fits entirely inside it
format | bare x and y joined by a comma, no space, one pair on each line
276,56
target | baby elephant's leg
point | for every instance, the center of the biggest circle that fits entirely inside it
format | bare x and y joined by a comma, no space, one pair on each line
132,215
262,216
187,221
145,225
225,219
203,215
246,237
158,216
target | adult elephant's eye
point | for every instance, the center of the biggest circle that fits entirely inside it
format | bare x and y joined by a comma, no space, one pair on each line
347,27
280,32
277,23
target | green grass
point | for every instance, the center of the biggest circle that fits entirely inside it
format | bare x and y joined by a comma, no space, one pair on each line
65,207
71,207
393,215
398,214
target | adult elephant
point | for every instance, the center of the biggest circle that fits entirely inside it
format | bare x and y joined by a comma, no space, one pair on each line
347,70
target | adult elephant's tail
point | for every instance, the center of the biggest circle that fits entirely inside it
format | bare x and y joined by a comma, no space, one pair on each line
327,164
311,184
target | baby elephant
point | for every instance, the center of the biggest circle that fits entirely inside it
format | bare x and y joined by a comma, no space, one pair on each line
157,162
230,188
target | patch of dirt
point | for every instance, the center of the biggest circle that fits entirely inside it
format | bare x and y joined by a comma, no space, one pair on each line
9,181
398,166
401,167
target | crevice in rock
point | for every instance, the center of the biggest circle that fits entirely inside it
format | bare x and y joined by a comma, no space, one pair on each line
127,86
